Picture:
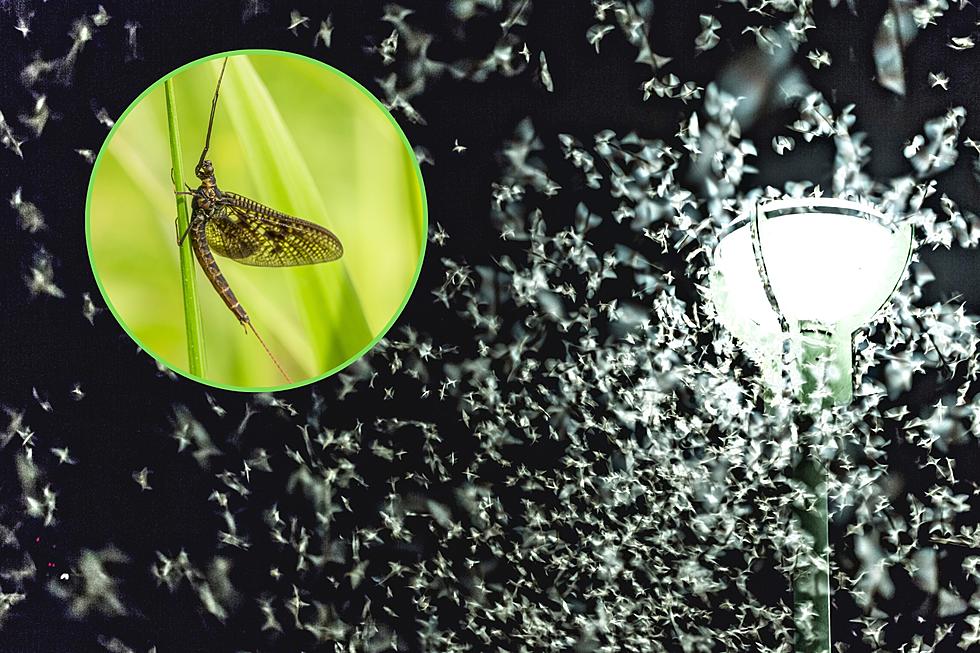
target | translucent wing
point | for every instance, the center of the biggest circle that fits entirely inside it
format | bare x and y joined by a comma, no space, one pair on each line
250,233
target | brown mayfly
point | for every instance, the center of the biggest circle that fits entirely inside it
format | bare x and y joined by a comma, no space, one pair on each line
236,227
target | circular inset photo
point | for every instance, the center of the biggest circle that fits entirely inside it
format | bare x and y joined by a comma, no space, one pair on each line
256,220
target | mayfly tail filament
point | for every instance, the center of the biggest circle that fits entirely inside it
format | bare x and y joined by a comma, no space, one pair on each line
269,352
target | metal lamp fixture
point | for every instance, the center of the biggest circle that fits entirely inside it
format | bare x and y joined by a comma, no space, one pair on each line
808,271
800,276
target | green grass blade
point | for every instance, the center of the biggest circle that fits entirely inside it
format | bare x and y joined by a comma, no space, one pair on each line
329,305
192,317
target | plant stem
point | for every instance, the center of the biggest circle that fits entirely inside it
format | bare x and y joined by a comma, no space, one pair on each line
192,316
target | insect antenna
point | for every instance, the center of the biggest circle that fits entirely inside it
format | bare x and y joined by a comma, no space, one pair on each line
214,104
269,351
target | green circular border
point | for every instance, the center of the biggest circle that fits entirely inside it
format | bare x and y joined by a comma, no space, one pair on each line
418,174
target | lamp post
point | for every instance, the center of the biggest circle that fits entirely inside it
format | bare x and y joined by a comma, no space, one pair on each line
793,282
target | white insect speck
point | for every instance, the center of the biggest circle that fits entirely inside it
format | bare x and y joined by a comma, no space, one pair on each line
26,436
29,217
218,410
961,43
89,309
766,38
396,14
103,117
782,144
439,235
939,80
43,403
142,478
64,458
23,24
596,33
818,58
8,139
325,33
41,278
545,73
457,148
708,38
101,17
423,156
131,28
38,118
297,20
389,47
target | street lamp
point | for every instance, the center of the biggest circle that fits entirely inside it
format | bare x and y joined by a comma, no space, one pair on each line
793,283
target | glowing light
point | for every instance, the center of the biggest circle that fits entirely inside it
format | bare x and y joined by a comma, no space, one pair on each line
806,269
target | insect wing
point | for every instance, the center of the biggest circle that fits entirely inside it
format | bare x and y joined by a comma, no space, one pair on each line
250,233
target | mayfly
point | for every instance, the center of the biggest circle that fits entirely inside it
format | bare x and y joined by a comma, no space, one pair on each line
236,227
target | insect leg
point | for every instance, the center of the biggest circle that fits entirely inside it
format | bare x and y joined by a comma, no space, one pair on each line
173,180
180,239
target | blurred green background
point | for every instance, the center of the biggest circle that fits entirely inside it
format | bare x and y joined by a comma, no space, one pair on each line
295,136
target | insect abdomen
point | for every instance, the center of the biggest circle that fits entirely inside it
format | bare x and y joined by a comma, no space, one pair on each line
199,243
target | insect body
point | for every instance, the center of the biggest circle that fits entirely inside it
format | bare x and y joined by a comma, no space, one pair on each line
206,208
243,230
236,227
